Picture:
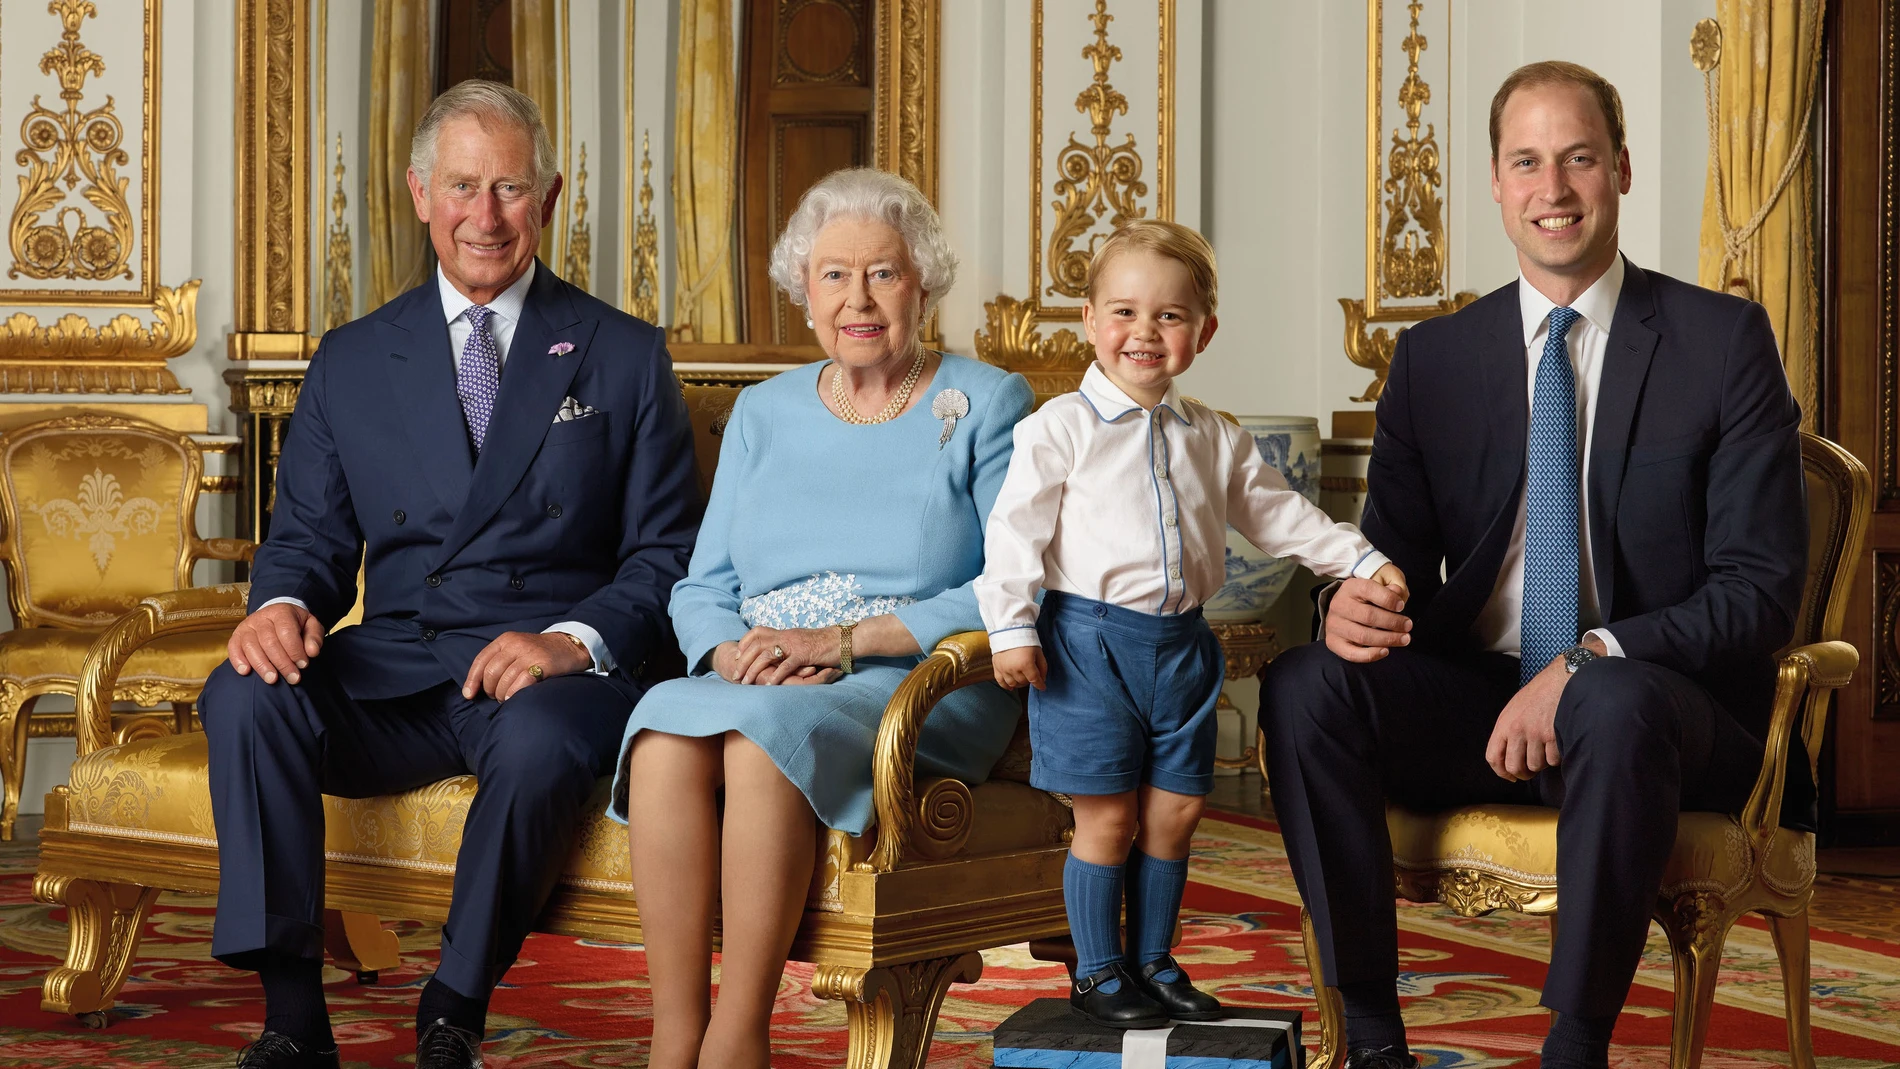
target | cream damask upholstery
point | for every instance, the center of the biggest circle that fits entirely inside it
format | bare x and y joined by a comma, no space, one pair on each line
1483,858
97,512
894,917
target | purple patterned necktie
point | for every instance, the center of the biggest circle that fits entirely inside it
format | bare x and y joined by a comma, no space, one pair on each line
478,374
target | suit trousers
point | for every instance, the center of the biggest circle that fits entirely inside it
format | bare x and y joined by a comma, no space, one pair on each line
1638,743
276,749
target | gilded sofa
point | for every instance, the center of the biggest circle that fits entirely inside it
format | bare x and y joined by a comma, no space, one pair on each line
893,917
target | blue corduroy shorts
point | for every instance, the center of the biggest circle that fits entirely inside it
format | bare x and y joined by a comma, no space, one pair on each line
1130,699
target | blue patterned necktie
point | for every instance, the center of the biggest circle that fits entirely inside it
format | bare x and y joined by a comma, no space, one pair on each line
1549,622
478,374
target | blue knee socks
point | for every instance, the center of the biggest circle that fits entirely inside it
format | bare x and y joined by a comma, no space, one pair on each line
1154,903
1092,895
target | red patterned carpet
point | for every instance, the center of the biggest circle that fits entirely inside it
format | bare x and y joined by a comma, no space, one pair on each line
1470,986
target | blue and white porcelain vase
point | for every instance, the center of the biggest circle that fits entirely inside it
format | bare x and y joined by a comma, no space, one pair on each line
1254,579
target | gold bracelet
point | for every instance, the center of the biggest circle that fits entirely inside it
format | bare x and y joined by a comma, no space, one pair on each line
845,661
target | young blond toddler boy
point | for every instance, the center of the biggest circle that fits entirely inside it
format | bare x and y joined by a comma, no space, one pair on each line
1115,510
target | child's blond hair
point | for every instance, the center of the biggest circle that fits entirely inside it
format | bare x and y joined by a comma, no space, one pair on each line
1182,244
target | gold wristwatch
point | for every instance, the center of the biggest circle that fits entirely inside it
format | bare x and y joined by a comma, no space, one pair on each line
845,660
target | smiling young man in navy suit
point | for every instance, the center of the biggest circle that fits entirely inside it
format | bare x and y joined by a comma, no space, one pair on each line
510,460
1593,478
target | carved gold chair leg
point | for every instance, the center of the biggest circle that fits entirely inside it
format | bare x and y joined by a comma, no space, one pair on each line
1332,1009
1791,946
104,923
15,712
358,943
1697,927
893,1010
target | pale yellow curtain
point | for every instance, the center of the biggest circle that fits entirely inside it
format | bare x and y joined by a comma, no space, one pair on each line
704,143
400,87
1758,206
537,72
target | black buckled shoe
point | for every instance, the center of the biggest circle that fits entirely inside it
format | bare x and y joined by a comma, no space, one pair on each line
1125,1007
1179,998
1379,1058
275,1050
444,1046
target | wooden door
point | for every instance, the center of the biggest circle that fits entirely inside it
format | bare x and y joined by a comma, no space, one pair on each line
1860,787
474,39
807,86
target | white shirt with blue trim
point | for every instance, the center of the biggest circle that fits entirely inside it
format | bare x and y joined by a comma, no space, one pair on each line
1110,501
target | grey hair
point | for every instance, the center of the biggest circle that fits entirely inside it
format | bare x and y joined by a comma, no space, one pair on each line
485,102
866,193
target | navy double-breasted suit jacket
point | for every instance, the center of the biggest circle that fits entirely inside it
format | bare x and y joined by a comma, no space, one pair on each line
590,519
1697,505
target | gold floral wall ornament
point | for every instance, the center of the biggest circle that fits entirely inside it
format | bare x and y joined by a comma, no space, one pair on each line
123,356
578,264
339,282
1011,339
644,301
1097,180
1413,208
68,147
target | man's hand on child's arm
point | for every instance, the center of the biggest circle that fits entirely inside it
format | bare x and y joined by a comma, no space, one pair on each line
1023,666
1390,575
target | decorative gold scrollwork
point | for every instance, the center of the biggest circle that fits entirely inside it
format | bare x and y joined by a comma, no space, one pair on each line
71,146
1413,207
338,280
1010,339
645,302
1471,893
123,356
946,814
1098,179
578,267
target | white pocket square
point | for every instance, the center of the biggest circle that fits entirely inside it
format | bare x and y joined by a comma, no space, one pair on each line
572,410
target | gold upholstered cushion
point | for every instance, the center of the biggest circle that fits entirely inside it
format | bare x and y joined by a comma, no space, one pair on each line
1519,843
41,654
159,790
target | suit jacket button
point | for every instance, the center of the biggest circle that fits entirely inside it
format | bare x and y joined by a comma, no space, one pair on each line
517,582
428,634
434,580
554,512
400,517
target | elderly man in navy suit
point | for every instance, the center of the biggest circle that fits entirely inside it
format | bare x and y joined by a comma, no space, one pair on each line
511,461
1592,477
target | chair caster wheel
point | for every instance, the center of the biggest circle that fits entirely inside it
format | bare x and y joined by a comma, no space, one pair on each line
367,977
95,1019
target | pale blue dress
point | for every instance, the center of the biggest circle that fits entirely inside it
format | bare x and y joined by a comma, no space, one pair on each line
813,522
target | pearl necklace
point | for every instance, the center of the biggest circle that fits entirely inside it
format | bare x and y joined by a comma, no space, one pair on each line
895,405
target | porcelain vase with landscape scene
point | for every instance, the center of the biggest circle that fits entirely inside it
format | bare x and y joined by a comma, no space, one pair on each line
1254,579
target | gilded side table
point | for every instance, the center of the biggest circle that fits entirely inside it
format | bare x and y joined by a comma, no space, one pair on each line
263,393
1248,646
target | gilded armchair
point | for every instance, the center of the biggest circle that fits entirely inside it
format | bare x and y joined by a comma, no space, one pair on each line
96,512
892,918
1479,859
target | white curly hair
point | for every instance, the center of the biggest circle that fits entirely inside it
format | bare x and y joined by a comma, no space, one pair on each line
866,193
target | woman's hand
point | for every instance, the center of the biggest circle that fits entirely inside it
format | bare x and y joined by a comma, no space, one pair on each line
770,656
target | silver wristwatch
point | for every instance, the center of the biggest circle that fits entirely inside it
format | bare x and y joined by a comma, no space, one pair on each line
1577,656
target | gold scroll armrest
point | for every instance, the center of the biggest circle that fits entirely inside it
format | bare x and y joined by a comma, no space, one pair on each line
222,549
1807,675
957,662
199,608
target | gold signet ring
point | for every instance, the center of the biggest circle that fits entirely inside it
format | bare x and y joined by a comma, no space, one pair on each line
535,671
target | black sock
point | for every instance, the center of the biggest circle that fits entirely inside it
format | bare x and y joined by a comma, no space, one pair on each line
1372,1016
439,1001
293,1000
1578,1042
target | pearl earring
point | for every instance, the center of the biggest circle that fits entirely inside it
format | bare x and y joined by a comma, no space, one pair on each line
808,324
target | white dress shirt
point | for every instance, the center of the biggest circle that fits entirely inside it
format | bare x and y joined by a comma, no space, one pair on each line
1108,501
1499,624
506,309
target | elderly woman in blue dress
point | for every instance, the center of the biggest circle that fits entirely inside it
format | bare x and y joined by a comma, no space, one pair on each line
844,530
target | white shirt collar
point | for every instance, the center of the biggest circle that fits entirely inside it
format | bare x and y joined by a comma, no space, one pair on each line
507,305
1111,404
1596,304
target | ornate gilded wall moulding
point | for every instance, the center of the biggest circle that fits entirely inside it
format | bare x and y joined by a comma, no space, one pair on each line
272,240
577,265
1097,180
123,356
906,115
643,290
339,284
1011,339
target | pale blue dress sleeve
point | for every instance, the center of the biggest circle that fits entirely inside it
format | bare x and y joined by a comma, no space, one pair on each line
934,619
705,605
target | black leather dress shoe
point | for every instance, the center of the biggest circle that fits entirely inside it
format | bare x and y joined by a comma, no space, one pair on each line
1179,998
1379,1058
275,1050
444,1046
1125,1007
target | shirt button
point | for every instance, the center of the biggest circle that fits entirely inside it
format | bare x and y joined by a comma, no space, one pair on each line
399,517
434,580
1161,471
1174,572
517,582
1169,519
428,634
554,512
